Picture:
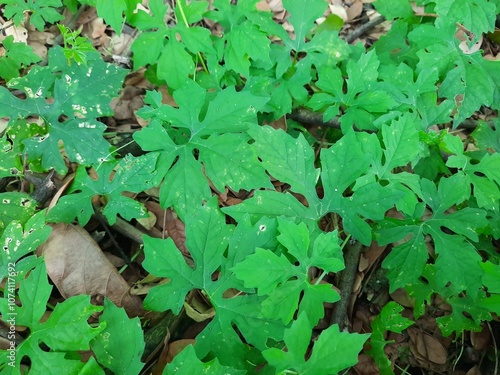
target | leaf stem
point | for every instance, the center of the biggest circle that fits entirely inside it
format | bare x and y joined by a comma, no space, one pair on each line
184,19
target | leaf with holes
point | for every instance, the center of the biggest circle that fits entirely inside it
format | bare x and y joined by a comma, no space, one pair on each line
78,95
130,174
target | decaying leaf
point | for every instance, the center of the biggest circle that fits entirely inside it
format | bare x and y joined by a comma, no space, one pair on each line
76,265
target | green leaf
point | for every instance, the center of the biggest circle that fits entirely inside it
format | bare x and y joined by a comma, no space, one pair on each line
472,81
132,174
389,319
272,270
175,64
185,186
66,329
230,113
207,241
401,143
19,239
270,204
406,262
193,11
17,56
457,260
394,9
342,345
147,48
302,19
485,137
342,164
478,16
187,363
466,315
40,12
112,11
244,43
281,279
16,207
120,345
288,160
80,93
229,159
491,276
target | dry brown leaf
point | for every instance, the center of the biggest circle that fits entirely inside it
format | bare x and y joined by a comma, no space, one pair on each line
263,5
42,37
97,28
480,340
401,297
67,181
76,265
366,365
339,11
279,123
425,347
354,10
19,33
474,371
88,15
39,49
177,346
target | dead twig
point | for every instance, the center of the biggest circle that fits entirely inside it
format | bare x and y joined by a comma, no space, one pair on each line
364,28
347,277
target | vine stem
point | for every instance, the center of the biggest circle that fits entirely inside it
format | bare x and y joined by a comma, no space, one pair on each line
184,19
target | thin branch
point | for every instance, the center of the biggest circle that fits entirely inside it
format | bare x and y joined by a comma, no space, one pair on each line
347,277
364,28
307,117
